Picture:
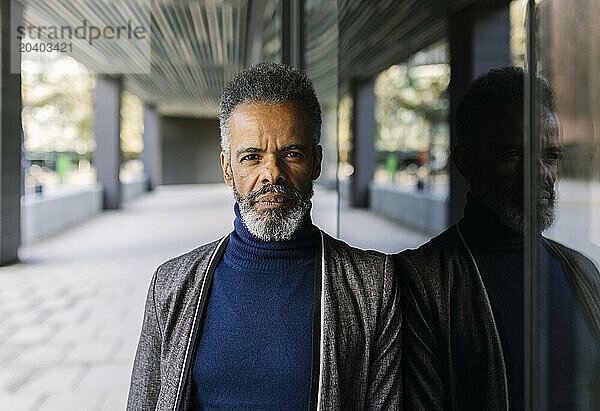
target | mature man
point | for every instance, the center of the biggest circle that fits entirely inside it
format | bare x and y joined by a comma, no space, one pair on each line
276,315
463,292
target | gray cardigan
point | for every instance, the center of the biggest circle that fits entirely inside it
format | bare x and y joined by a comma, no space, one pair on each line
356,345
452,356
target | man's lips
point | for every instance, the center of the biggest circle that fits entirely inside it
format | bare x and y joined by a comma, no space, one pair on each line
271,200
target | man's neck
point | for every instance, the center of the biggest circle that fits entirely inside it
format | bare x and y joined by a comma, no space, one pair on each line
247,251
484,225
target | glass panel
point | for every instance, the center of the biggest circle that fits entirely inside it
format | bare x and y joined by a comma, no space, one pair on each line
272,31
396,128
321,65
563,202
411,112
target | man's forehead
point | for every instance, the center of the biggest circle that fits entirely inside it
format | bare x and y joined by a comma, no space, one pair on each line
260,121
501,125
250,108
549,128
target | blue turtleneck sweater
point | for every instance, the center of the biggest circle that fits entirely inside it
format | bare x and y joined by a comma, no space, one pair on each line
254,350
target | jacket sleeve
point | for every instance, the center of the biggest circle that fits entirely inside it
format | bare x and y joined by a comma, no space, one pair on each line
145,378
385,382
422,365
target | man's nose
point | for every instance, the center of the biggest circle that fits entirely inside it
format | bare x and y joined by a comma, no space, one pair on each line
272,172
547,173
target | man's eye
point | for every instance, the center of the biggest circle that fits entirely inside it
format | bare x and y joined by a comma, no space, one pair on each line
552,156
513,154
293,154
250,157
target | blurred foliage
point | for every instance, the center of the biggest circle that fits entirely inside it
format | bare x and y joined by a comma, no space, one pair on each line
411,102
518,32
345,128
132,125
57,105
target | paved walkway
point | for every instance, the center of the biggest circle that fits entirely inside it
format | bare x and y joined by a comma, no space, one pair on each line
70,312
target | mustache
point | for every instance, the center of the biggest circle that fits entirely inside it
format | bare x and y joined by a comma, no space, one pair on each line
546,190
290,191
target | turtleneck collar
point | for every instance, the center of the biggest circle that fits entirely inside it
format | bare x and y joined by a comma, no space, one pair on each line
247,252
483,226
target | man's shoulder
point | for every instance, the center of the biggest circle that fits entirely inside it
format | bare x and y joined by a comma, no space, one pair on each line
579,268
345,253
573,256
178,268
368,275
444,244
434,265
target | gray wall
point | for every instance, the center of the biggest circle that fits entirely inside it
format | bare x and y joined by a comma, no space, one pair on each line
190,150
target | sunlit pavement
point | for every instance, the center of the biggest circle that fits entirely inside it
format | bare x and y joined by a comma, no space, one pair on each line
70,312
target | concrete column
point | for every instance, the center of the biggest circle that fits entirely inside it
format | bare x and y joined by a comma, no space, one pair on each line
11,135
479,41
107,127
151,156
292,33
364,130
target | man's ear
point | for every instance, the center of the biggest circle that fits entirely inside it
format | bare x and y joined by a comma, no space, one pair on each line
226,166
317,160
462,158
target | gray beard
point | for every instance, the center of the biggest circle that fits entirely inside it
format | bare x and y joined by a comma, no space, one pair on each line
276,224
510,208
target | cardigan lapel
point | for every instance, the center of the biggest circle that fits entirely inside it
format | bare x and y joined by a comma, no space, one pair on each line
191,335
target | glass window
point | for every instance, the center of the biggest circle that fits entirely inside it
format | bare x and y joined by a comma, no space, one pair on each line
321,66
396,128
411,113
272,31
563,201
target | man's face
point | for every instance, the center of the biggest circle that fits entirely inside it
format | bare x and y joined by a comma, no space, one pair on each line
272,167
497,178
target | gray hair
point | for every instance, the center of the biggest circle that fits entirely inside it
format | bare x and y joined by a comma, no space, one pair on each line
272,83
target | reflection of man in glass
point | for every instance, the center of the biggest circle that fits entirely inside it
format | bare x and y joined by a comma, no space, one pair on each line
464,290
276,315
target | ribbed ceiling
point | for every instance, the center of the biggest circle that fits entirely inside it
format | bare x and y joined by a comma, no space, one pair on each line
377,34
321,43
197,46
